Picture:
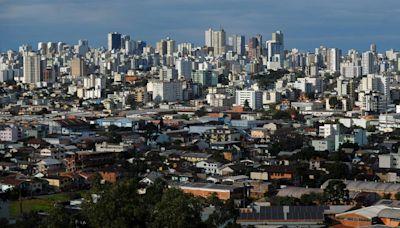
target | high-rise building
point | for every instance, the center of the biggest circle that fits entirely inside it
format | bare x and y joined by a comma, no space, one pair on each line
170,46
205,77
253,98
254,47
51,48
124,40
208,37
334,55
168,74
184,67
219,42
216,40
368,63
50,74
78,67
345,86
31,66
82,48
114,41
165,90
276,49
42,48
185,48
139,46
165,47
60,47
237,42
372,48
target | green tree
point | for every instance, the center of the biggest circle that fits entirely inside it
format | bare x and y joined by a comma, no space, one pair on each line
397,196
58,217
336,192
246,105
118,206
130,100
223,79
387,196
155,192
281,115
285,201
28,220
223,213
333,102
338,170
200,112
311,199
177,209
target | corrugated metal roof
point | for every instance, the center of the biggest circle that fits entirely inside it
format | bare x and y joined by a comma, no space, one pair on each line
284,213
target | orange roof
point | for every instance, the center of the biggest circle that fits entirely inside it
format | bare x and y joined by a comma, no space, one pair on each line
131,78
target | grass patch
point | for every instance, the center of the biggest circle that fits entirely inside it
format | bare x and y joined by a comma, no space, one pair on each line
40,203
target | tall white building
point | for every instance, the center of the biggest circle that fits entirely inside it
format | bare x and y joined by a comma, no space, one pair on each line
309,85
350,70
334,59
165,90
345,87
185,48
372,101
254,98
368,63
216,40
327,130
237,42
378,83
31,68
184,67
8,133
167,73
93,87
208,37
170,46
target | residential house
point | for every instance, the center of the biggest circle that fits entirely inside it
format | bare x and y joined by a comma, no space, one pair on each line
223,192
209,166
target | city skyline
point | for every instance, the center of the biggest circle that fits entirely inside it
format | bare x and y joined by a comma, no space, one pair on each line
307,25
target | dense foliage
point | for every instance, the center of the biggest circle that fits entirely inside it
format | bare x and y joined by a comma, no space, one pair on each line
120,205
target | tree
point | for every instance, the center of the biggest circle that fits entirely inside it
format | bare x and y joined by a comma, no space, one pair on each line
338,170
281,115
155,192
285,201
185,117
58,217
223,213
28,220
311,199
118,206
246,105
397,196
177,209
200,112
130,100
336,192
333,102
223,79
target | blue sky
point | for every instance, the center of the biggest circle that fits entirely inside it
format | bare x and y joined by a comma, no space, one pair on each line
306,23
